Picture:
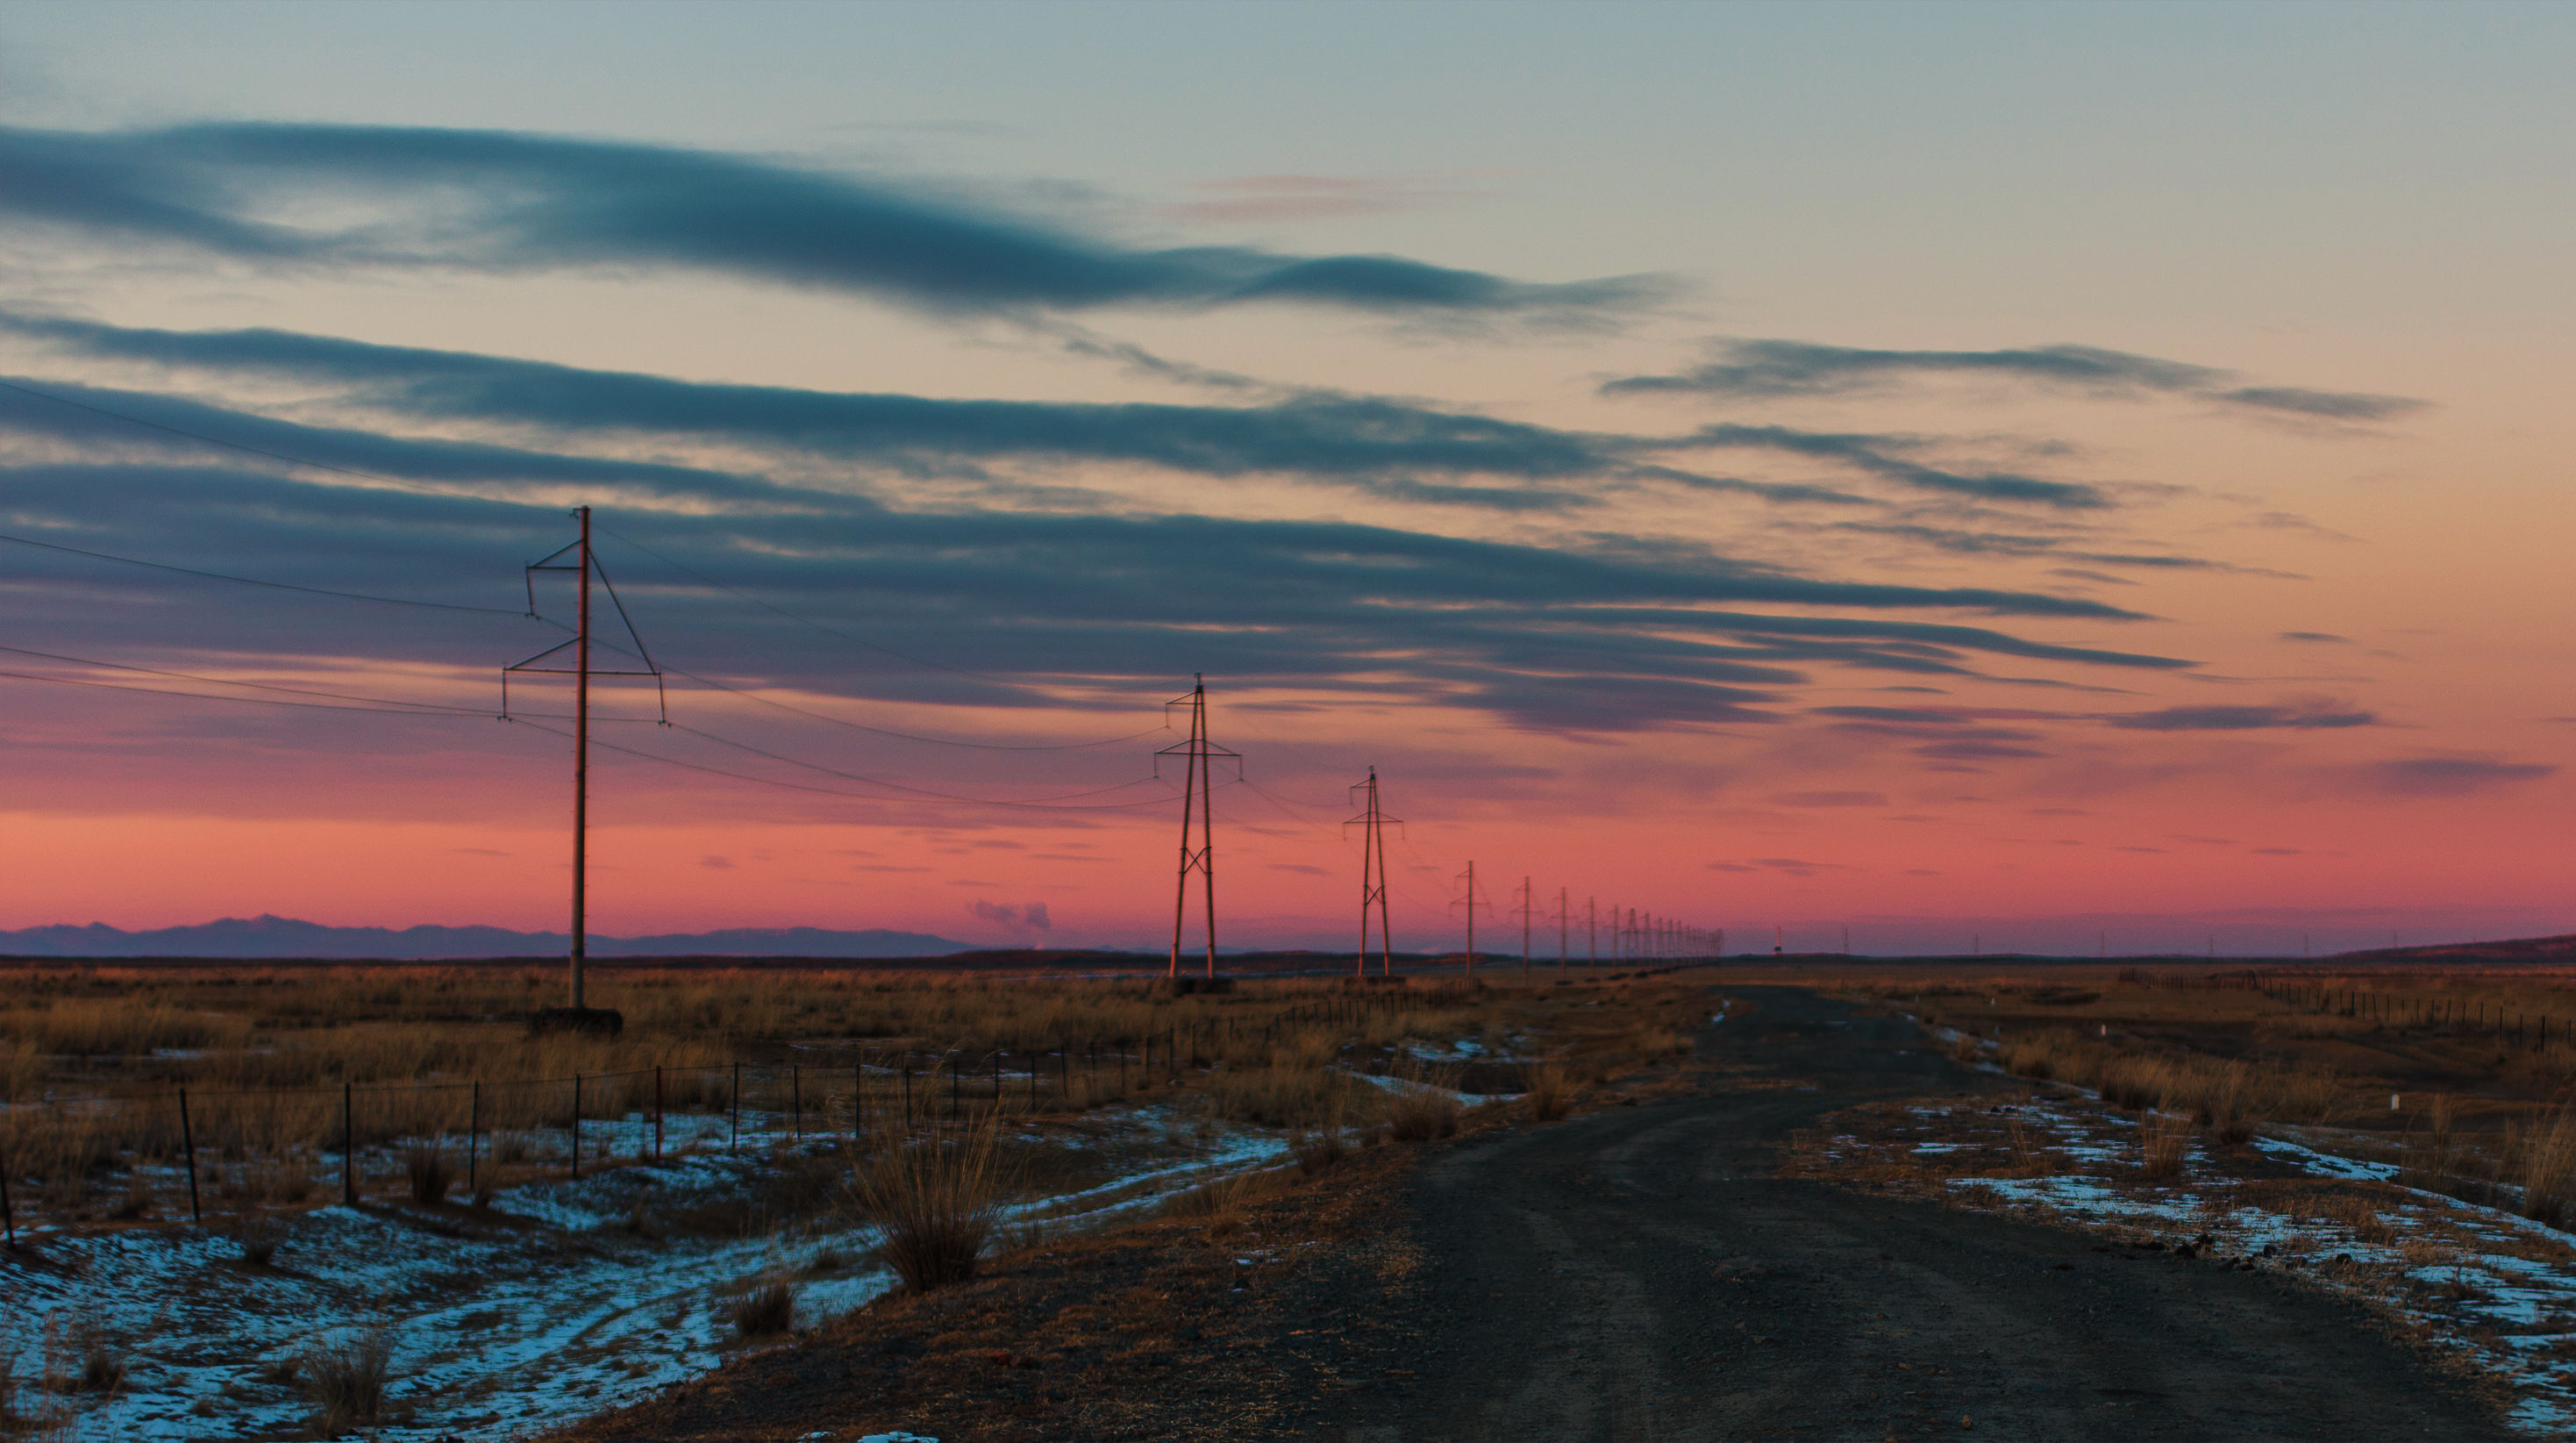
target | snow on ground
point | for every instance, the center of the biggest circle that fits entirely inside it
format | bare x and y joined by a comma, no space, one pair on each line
2498,1285
552,1304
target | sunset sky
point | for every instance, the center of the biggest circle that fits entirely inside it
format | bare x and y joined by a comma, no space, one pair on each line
2023,476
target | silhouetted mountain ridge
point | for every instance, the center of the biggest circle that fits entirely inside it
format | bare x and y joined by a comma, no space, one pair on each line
286,937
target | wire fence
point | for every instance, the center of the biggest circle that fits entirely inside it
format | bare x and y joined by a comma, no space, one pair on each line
249,1148
2458,1016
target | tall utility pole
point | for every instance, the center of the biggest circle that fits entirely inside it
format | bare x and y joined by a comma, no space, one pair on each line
1564,925
1199,787
1471,902
1525,928
1372,822
584,565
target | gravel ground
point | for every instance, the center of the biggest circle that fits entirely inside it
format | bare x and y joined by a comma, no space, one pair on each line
1643,1274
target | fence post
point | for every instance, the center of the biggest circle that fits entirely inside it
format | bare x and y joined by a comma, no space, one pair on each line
657,1112
576,1125
188,1145
473,1138
348,1146
734,1143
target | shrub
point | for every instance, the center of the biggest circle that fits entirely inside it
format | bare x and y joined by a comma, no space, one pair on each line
935,1200
345,1378
766,1311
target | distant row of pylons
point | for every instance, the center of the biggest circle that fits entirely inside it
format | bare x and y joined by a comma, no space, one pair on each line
1641,936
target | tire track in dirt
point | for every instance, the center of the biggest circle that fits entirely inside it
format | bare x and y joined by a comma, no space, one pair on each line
1639,1275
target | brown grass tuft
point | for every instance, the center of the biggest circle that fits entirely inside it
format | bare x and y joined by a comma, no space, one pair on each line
2549,1171
430,1172
2164,1140
936,1200
1551,1092
1419,1112
345,1378
767,1310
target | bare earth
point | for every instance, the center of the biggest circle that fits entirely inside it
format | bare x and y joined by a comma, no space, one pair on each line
1641,1274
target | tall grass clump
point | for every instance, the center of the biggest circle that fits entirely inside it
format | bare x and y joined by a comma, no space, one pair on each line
767,1310
2549,1172
2164,1139
936,1200
1551,1092
258,1235
1419,1112
345,1378
430,1172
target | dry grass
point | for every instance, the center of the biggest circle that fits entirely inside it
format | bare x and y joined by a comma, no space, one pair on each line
1219,1205
345,1379
2549,1171
1551,1092
766,1309
1418,1112
268,1050
1317,1152
259,1235
2164,1141
935,1199
429,1171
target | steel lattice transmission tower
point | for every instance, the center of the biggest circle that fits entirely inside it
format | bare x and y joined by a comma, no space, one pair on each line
584,565
1372,821
1197,786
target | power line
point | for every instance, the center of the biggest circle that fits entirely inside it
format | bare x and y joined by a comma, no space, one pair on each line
418,706
257,581
741,595
828,791
895,786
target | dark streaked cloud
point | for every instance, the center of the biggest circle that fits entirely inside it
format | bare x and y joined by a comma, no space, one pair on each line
2451,776
514,201
1384,447
2297,717
1829,799
1882,457
1770,368
2321,638
1042,607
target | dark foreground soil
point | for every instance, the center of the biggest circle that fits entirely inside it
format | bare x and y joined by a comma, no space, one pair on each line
1640,1274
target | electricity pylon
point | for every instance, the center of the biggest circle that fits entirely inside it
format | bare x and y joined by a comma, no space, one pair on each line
1564,930
584,564
1471,902
1373,822
1198,786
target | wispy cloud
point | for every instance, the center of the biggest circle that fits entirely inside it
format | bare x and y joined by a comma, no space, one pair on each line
1772,368
1312,197
359,196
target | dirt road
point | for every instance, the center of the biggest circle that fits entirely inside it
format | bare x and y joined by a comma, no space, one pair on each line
1640,1276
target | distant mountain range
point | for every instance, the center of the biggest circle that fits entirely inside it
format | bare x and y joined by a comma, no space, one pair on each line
284,937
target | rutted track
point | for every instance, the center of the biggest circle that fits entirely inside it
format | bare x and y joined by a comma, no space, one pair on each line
1640,1276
